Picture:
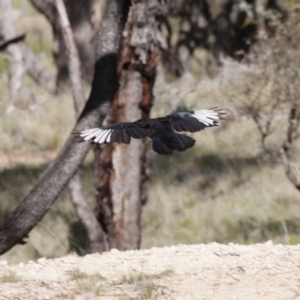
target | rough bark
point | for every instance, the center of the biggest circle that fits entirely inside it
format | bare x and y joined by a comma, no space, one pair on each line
105,84
121,168
85,213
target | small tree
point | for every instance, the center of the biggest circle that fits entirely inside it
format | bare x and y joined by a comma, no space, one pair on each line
270,83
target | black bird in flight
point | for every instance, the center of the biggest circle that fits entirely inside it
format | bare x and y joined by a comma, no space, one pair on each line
163,130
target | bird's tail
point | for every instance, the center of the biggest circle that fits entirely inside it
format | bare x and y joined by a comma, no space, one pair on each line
166,143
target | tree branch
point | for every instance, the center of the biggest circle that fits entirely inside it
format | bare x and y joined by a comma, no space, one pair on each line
74,63
14,40
105,84
79,202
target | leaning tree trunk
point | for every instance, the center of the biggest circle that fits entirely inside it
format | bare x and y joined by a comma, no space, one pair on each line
105,84
84,211
120,168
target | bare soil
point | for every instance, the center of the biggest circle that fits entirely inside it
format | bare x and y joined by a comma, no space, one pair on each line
213,271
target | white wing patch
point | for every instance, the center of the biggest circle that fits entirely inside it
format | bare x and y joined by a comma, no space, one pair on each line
206,116
97,135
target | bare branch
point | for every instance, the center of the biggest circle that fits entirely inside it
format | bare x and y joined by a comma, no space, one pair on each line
86,215
74,63
260,14
14,40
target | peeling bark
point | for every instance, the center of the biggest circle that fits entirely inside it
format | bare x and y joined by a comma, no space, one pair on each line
121,168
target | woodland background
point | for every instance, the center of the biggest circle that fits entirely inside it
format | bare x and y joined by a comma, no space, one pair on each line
240,183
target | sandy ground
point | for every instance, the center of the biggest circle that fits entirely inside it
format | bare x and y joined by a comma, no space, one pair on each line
213,271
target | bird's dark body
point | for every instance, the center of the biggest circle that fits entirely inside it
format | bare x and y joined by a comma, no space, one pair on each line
162,130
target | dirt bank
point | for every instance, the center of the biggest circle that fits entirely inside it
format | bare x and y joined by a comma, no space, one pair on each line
213,271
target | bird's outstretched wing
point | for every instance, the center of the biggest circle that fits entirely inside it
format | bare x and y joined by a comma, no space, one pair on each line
120,132
193,121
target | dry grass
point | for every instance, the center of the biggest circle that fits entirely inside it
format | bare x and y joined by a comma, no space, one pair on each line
10,277
144,283
140,276
86,283
77,274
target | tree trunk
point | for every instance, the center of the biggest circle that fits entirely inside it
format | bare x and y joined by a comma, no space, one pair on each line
84,212
120,168
105,84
